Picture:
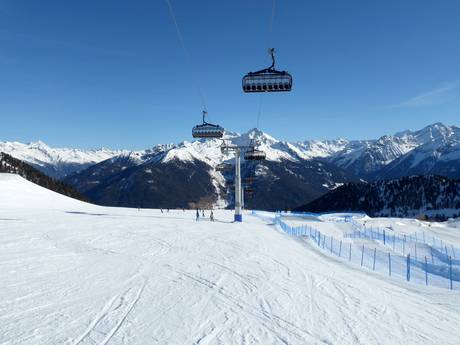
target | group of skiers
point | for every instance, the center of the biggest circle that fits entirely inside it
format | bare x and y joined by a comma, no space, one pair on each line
211,216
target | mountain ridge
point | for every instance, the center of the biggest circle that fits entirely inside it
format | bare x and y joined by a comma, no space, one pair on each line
304,170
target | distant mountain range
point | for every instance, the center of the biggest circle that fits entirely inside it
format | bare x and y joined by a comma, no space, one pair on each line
429,196
294,173
56,162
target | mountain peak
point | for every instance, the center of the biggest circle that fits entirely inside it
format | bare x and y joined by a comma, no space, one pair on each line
38,144
259,136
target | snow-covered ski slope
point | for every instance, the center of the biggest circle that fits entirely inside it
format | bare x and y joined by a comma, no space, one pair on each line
73,273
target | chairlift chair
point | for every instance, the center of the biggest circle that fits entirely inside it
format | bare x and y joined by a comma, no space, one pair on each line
254,154
223,167
268,79
207,130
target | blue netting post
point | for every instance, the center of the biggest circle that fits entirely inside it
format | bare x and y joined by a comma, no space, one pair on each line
375,252
349,255
426,272
432,258
389,264
450,271
324,240
447,254
408,268
331,243
362,255
340,248
384,237
453,250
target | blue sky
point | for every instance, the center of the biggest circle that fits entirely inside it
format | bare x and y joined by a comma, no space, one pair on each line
112,73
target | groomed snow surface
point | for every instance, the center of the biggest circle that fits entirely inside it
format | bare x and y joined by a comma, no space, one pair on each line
74,273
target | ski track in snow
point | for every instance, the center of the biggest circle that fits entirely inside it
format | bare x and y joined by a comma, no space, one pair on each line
78,274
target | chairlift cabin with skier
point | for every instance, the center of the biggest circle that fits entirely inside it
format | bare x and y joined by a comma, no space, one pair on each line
268,79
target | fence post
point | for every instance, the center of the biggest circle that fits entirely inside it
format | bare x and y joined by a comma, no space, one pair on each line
331,243
447,254
408,268
340,249
362,255
432,258
384,237
426,272
373,266
450,271
389,264
453,250
349,257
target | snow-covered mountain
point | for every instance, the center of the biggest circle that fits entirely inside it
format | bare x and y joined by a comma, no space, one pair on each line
55,162
293,174
437,152
177,175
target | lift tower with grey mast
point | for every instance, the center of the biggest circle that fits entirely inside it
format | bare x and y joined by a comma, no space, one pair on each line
250,153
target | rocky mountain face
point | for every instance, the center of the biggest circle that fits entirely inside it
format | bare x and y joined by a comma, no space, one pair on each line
428,196
9,164
423,152
179,175
294,173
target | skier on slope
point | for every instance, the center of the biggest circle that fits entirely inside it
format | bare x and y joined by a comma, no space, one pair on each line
211,216
197,215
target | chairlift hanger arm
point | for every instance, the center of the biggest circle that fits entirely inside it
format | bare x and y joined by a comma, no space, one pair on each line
270,69
204,115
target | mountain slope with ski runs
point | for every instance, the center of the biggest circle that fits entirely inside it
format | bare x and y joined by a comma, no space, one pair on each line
294,173
75,273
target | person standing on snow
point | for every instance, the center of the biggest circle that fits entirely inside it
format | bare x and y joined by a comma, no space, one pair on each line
197,215
211,216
